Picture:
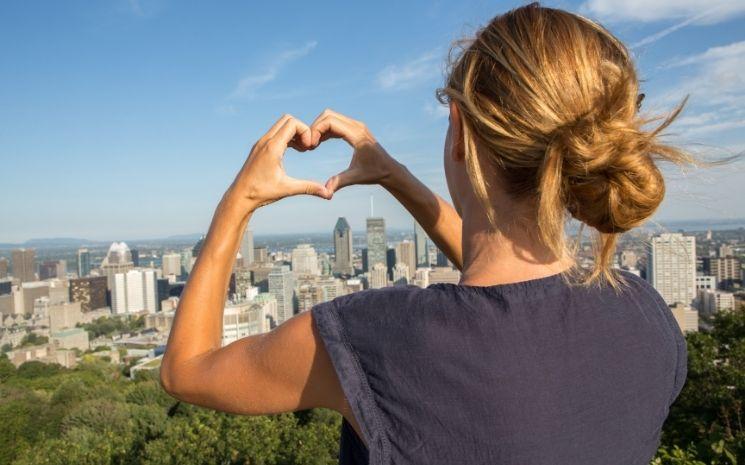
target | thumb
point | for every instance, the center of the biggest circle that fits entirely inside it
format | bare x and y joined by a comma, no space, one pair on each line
305,187
343,179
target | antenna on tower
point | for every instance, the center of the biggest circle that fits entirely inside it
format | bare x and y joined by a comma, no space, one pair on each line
371,207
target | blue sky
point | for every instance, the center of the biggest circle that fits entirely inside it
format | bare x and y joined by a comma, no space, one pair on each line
128,119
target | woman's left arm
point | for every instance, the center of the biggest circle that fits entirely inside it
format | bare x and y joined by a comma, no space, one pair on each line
284,370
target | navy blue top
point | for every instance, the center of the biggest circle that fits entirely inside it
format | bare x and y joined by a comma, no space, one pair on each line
528,373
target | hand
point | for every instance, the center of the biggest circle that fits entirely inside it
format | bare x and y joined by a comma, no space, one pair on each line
263,180
370,164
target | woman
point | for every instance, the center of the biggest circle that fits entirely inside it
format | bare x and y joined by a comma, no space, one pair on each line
529,359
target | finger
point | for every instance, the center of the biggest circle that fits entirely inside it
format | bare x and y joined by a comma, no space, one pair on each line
293,133
331,126
275,127
304,187
341,180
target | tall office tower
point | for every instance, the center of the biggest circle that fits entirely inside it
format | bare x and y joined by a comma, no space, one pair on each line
671,267
24,264
171,264
186,261
134,291
135,257
406,254
118,260
378,276
163,288
84,263
401,275
305,260
343,248
282,287
47,269
89,291
376,242
261,255
726,250
3,267
247,247
422,252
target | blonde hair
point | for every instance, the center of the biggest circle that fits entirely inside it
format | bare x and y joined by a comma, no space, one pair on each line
553,100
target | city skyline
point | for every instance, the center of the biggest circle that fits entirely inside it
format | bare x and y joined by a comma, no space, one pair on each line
121,101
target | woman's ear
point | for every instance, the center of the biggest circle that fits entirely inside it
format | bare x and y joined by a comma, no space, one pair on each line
456,128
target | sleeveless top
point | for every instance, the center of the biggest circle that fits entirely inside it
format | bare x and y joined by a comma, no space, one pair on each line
527,373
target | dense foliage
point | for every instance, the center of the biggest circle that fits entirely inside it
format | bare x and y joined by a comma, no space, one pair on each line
106,326
94,415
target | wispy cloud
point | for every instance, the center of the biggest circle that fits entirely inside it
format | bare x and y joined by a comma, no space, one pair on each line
715,81
250,84
669,30
407,75
656,10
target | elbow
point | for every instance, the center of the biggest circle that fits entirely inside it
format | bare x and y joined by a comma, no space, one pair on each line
167,381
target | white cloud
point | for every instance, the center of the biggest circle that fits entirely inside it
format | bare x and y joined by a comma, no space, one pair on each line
716,11
248,85
402,76
732,51
437,110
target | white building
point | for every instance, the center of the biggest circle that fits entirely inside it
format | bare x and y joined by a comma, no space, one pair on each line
305,260
247,247
171,264
671,267
134,291
686,317
705,282
401,274
378,276
282,287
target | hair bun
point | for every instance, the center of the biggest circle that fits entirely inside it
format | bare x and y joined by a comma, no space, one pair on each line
610,181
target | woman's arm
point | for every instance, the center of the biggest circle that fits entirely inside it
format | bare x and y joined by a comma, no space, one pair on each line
371,164
284,370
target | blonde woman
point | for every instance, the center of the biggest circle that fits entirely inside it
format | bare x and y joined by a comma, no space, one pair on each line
529,359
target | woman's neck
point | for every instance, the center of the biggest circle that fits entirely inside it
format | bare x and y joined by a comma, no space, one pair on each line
511,253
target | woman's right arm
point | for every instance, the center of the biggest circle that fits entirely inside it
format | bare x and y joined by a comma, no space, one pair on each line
371,164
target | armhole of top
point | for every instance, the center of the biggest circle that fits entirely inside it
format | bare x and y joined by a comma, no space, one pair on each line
353,380
681,366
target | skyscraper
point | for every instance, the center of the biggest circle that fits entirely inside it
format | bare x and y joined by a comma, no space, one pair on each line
186,260
305,260
247,247
171,264
282,287
671,267
24,264
422,252
406,254
84,263
118,260
343,248
378,276
3,267
134,291
376,242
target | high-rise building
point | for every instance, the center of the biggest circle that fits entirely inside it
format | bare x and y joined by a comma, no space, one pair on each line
247,247
171,264
3,267
134,291
343,248
282,287
305,260
442,259
118,260
671,267
24,264
261,255
89,291
376,242
725,269
47,269
187,261
711,301
378,276
135,257
422,248
84,262
406,254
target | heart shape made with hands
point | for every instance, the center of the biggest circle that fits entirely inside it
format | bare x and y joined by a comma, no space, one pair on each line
370,163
